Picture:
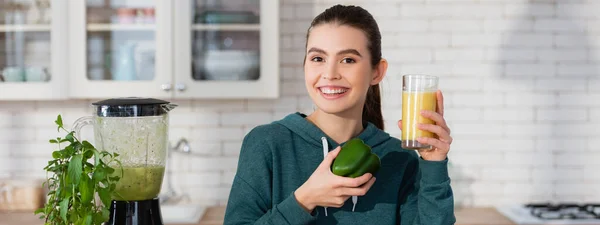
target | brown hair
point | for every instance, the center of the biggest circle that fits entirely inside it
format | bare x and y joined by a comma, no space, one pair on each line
361,19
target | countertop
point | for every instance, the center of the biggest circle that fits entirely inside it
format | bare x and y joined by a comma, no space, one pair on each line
214,216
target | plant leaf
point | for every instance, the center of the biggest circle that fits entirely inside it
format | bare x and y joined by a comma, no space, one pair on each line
87,145
64,204
88,220
67,194
56,154
88,153
50,163
87,169
98,175
59,122
86,187
75,169
104,194
70,137
105,214
78,147
97,218
69,150
40,210
74,218
96,157
53,141
115,178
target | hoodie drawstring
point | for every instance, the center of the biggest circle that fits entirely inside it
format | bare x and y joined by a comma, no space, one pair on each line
325,152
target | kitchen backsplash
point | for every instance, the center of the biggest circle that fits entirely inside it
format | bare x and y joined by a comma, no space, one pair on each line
521,82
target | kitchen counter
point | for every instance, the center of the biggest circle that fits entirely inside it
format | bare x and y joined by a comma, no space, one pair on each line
480,216
214,216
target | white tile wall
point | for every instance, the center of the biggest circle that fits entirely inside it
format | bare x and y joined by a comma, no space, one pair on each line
521,82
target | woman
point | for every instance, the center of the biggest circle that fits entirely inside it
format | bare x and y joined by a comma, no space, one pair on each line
283,174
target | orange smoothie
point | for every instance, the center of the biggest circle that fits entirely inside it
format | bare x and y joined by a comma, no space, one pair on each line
412,104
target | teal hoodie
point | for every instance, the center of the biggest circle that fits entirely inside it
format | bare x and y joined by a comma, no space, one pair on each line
277,158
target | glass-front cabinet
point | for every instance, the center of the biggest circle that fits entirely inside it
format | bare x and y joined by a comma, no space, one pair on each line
32,62
226,48
120,48
90,49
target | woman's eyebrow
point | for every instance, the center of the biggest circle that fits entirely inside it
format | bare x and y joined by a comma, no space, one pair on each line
345,51
317,50
349,51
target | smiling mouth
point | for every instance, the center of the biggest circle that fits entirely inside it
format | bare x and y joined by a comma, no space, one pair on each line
333,92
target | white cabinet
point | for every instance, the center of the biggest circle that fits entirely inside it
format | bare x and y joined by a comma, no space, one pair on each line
152,48
226,49
120,48
33,60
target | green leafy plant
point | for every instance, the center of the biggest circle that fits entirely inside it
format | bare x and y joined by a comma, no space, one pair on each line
81,181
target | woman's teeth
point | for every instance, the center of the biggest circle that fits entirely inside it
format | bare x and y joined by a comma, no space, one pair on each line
333,90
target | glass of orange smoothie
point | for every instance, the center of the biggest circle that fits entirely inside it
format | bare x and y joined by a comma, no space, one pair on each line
418,93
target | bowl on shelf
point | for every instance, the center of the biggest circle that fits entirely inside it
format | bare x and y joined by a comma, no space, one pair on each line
13,74
231,65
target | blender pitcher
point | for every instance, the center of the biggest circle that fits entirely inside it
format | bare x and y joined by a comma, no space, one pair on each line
136,129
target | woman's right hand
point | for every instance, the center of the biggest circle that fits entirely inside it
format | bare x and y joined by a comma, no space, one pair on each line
323,188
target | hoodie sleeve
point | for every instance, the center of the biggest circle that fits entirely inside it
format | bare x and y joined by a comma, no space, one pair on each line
250,200
428,197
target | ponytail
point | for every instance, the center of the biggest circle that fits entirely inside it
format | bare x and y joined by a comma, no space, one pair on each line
372,109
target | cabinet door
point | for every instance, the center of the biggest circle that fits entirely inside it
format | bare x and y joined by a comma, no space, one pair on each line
226,48
32,55
120,48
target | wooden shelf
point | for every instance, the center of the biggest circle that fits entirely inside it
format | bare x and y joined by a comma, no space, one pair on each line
228,27
120,27
25,28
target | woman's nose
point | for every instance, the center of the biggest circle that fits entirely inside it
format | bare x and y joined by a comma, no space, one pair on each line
331,73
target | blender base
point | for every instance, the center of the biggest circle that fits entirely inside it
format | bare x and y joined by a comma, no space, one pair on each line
144,212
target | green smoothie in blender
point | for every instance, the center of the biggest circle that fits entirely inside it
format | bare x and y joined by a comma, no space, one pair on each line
139,182
137,129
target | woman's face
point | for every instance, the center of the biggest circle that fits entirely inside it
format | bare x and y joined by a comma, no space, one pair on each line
338,69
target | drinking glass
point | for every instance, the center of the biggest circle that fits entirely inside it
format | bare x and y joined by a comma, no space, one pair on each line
418,93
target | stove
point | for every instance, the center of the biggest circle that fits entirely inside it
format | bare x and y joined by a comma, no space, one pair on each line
563,213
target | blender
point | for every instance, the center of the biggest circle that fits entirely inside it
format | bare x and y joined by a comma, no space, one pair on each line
136,129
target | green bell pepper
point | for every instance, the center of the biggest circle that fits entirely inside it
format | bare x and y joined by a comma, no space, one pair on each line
355,159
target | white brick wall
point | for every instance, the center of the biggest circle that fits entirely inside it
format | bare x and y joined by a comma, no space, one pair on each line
521,84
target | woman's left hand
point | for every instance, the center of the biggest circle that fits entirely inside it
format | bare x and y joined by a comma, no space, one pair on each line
440,144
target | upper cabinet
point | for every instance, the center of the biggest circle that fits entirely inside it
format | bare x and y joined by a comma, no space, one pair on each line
226,48
33,59
120,48
150,48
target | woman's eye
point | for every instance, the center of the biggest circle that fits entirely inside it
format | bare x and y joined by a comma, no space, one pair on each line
348,60
317,59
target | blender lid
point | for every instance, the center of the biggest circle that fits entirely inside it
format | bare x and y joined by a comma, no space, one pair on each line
132,107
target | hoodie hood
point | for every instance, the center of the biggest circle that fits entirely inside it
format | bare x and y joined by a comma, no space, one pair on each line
298,124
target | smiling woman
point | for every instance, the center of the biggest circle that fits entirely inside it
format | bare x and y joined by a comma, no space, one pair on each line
284,173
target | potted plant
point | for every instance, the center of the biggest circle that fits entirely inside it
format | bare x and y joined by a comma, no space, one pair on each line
80,180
